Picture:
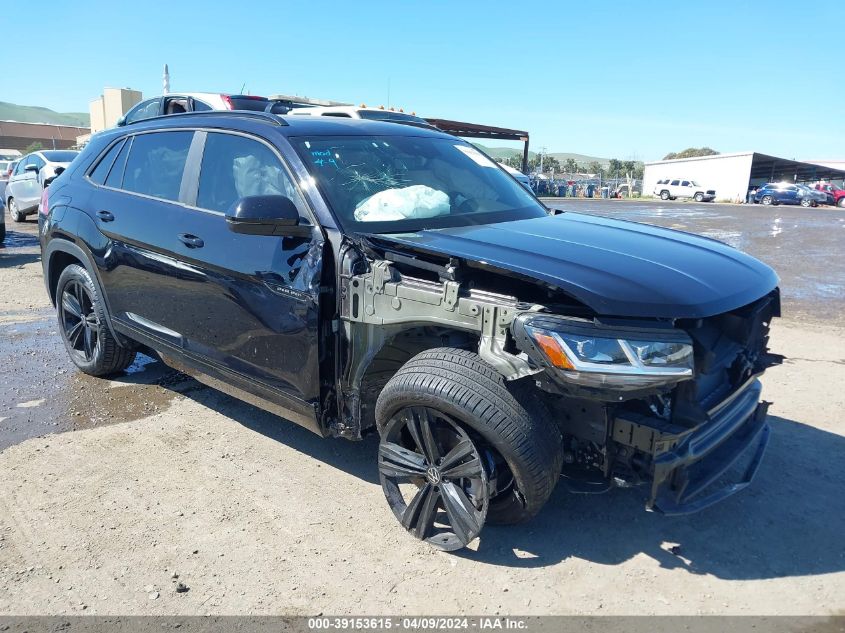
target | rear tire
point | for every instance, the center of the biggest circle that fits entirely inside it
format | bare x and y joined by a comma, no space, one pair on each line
82,324
841,203
14,213
806,203
506,420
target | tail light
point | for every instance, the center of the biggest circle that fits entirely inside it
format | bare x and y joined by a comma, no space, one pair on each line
228,101
44,205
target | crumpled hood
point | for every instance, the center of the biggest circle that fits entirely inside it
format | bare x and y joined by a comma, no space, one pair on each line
616,268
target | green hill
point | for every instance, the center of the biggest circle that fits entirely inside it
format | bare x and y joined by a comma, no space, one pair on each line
504,152
35,114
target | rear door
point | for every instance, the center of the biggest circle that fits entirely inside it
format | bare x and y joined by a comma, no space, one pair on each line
255,297
137,208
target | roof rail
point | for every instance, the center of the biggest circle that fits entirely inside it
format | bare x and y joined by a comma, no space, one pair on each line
250,114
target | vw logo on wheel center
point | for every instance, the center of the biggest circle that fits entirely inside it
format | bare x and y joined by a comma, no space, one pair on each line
433,475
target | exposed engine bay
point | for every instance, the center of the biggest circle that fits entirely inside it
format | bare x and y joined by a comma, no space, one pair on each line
630,397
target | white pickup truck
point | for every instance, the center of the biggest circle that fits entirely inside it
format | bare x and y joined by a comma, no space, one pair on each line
672,188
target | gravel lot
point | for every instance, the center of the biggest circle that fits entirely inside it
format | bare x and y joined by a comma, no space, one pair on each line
160,481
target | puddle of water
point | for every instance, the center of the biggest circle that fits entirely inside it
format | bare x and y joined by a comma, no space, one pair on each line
42,392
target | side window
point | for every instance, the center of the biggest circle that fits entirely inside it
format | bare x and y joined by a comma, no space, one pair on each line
36,160
156,162
685,183
102,169
22,163
237,166
200,106
115,179
675,183
143,110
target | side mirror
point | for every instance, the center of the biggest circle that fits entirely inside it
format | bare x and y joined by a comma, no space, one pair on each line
32,168
266,215
121,121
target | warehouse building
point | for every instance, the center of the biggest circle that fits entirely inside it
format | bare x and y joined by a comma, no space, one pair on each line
19,136
732,174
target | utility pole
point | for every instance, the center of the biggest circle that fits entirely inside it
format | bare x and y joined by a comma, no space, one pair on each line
542,153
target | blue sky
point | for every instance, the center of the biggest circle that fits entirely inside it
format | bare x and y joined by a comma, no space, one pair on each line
603,79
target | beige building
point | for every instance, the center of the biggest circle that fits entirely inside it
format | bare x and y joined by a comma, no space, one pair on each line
110,106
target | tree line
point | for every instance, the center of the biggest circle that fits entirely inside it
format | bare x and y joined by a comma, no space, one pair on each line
613,169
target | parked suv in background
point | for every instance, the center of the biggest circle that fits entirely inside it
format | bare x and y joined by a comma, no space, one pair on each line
178,103
834,195
672,188
362,277
23,191
362,112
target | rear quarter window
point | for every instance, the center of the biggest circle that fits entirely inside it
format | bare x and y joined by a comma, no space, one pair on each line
101,171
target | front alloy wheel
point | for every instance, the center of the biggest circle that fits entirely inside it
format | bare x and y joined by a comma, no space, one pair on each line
433,477
767,200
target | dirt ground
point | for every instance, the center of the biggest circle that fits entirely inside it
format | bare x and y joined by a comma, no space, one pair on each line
160,481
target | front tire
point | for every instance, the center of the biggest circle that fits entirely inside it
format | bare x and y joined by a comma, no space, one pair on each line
508,428
699,197
841,203
14,212
664,195
806,203
767,200
82,324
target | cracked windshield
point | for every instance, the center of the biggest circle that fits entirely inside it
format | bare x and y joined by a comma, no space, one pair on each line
387,184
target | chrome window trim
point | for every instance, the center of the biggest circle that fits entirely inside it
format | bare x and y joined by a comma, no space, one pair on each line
302,205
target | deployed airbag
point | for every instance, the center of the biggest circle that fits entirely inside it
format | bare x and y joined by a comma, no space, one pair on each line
407,203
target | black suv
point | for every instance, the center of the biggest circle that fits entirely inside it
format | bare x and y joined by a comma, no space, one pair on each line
356,276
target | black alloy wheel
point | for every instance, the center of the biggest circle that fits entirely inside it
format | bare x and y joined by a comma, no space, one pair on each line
432,474
79,321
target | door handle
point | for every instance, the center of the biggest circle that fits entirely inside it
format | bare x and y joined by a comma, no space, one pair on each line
191,241
105,216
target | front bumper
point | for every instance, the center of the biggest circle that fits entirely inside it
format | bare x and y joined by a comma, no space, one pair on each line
694,473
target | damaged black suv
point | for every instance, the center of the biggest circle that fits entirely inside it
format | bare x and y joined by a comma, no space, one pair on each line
358,277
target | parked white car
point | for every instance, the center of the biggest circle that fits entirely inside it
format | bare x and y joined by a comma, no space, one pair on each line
23,191
673,188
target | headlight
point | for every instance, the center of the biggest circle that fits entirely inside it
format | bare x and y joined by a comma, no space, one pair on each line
622,358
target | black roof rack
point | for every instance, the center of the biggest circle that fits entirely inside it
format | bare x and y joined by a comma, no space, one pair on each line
254,114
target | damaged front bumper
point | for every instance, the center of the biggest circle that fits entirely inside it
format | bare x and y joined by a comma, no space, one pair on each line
714,460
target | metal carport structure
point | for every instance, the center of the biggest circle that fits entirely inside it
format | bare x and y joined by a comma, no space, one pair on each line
475,130
774,169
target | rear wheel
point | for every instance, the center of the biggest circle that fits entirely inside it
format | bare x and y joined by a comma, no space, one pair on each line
664,195
806,202
14,212
841,202
460,446
82,324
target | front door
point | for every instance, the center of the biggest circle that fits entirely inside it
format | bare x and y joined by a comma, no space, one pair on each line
251,305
